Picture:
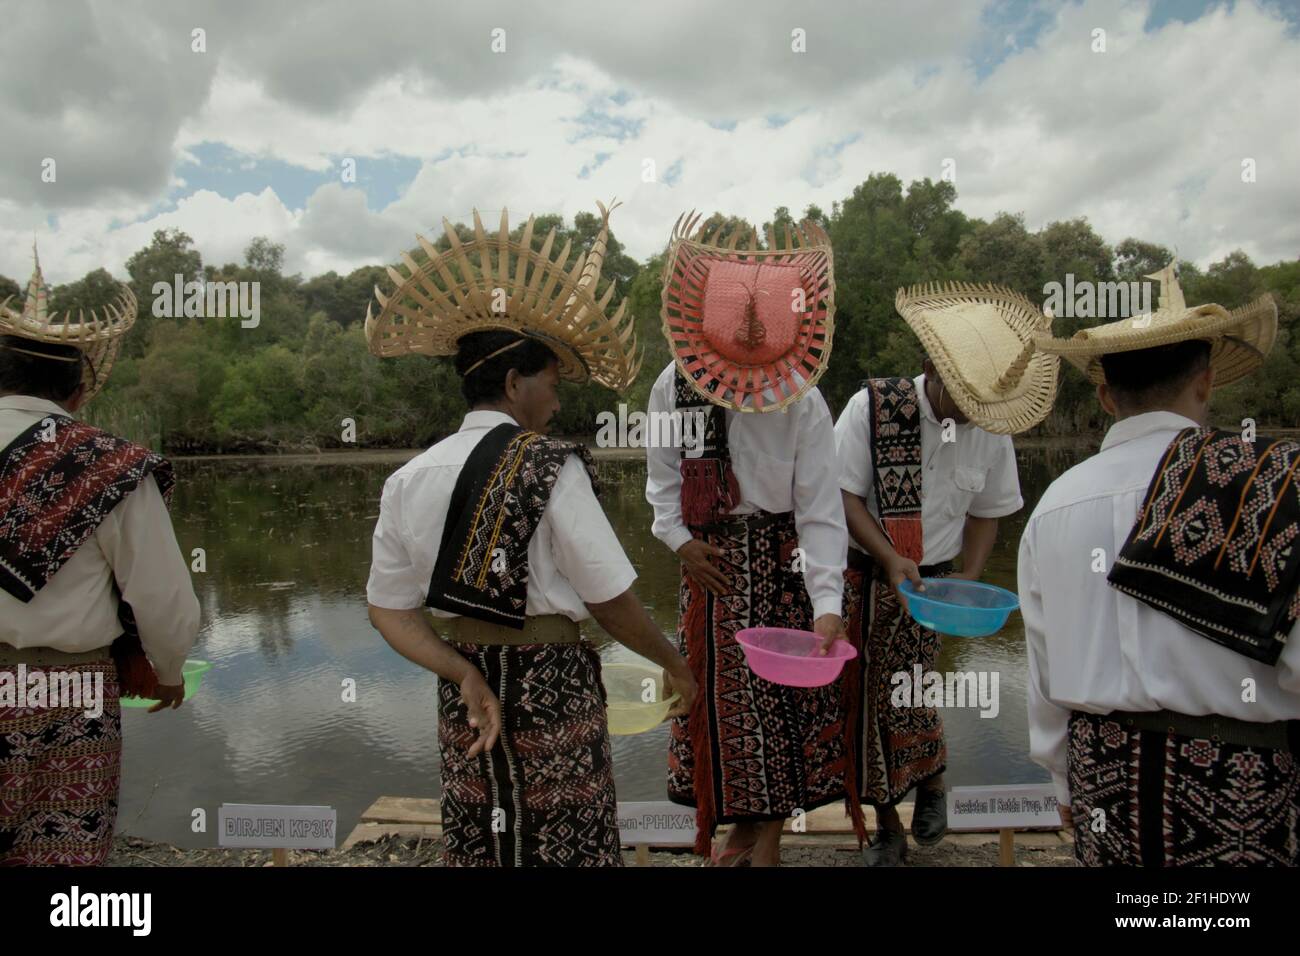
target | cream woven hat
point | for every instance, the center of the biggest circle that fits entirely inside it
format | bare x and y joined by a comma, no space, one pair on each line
1239,340
980,338
97,338
495,282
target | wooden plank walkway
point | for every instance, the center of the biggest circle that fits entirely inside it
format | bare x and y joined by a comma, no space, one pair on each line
826,826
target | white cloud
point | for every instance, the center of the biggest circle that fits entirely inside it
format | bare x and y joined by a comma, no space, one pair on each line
1145,139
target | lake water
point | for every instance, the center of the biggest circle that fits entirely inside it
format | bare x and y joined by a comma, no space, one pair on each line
284,610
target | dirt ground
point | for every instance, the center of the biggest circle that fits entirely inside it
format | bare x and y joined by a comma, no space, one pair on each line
400,851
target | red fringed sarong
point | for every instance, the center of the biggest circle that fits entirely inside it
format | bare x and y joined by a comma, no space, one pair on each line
752,750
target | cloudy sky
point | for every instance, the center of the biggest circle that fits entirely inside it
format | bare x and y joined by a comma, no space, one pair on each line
670,105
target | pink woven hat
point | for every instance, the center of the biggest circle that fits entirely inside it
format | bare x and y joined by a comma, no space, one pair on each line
751,328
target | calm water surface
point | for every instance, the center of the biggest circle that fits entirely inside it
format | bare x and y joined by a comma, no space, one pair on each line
288,552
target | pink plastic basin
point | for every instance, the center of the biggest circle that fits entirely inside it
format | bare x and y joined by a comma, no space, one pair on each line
790,657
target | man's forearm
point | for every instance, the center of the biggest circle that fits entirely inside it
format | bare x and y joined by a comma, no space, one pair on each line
977,540
626,621
866,529
410,634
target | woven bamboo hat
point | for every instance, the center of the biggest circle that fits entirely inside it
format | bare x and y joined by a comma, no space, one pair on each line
746,324
1239,340
495,282
980,338
98,339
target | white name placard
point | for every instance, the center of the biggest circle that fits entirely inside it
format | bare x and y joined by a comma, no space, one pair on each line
276,827
1017,807
656,822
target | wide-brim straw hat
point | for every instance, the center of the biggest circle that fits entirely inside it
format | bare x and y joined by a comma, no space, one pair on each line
97,338
1239,340
980,338
499,283
750,328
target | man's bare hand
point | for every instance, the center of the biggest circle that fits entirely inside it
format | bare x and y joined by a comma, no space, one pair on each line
1067,816
169,697
680,681
830,628
484,712
695,555
902,569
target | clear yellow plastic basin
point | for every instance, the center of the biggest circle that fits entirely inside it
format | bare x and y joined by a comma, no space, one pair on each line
634,697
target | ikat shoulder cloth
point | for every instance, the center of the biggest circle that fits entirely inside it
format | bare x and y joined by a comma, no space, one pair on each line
1215,544
482,566
59,480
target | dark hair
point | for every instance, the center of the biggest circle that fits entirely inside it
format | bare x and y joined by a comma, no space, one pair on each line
48,378
487,382
1146,378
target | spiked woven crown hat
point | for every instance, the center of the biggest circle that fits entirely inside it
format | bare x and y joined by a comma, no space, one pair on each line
98,337
497,282
749,328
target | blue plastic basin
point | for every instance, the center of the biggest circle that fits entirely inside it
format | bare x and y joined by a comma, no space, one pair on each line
959,608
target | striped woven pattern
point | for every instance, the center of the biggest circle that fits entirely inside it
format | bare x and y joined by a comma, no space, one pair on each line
980,338
758,352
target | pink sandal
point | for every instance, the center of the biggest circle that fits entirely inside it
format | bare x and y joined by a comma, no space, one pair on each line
741,857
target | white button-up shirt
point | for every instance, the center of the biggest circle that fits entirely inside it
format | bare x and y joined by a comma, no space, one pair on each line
784,461
974,474
134,544
573,557
1093,648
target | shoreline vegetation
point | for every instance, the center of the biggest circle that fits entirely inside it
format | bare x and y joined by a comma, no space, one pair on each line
398,456
298,376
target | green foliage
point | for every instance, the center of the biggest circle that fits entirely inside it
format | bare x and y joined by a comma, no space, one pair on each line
168,255
89,294
304,373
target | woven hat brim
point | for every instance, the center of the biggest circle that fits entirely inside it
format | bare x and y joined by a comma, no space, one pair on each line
1026,378
773,385
456,292
97,339
1240,340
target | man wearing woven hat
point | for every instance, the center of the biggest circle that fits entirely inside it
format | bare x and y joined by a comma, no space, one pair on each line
753,512
497,528
1160,586
97,601
927,469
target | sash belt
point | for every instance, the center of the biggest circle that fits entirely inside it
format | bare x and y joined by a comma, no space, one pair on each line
1277,735
541,629
739,524
861,561
49,657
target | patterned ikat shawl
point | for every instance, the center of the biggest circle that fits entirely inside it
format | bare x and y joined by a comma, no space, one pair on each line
1214,546
710,489
482,566
896,461
58,480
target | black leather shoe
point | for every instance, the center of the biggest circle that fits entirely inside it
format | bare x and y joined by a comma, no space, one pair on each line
929,816
888,848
